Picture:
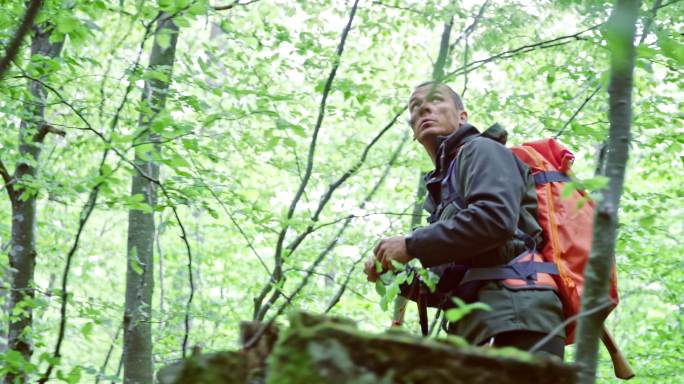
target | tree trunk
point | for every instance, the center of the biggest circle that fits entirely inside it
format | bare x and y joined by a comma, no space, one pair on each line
22,255
137,356
621,31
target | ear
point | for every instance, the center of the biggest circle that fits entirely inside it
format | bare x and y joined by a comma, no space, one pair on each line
462,117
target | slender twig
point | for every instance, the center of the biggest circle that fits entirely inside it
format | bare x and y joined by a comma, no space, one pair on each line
327,195
109,354
338,295
155,181
667,4
649,21
292,247
465,63
436,321
277,271
336,298
471,27
157,240
327,224
231,5
25,26
232,218
561,326
84,216
557,41
407,9
577,111
8,181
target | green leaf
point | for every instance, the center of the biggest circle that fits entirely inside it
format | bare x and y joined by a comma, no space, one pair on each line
671,48
397,265
182,22
87,330
66,23
380,288
463,309
134,261
378,266
163,40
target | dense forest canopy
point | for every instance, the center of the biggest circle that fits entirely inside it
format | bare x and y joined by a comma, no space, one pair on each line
271,148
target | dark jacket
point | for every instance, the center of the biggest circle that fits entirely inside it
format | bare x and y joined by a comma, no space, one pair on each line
498,194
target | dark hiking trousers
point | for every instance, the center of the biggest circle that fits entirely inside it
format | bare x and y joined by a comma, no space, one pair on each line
524,340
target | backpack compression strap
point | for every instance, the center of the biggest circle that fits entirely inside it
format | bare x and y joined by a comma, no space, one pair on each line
550,177
516,269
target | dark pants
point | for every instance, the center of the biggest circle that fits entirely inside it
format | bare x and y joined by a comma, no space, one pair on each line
524,340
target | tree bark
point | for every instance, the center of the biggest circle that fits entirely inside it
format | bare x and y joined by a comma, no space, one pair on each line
22,255
621,32
137,359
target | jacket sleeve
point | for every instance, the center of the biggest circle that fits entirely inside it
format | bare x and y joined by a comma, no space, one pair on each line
492,188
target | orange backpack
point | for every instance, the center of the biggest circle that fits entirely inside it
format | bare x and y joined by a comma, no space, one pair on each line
566,221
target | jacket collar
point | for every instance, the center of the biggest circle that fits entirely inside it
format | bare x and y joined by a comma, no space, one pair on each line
448,146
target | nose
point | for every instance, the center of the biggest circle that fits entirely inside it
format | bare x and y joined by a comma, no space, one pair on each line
425,107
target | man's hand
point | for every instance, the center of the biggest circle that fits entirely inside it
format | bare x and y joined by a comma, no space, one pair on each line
372,274
391,248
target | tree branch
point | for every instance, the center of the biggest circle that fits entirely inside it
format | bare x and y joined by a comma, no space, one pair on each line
25,26
231,5
438,69
84,216
407,9
471,27
336,184
330,245
561,326
44,130
558,41
277,271
141,172
8,181
649,21
232,219
560,131
108,355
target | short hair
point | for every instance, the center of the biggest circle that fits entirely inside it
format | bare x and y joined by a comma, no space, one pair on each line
455,97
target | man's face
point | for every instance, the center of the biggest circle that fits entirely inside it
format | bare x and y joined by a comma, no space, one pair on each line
433,113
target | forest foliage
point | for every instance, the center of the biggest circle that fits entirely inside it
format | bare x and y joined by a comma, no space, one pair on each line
284,155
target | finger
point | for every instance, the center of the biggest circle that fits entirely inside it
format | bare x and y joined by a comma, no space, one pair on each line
386,264
380,257
377,248
368,266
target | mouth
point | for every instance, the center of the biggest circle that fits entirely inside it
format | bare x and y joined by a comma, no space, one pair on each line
424,123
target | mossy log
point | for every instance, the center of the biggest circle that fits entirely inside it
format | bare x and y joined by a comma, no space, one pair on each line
317,349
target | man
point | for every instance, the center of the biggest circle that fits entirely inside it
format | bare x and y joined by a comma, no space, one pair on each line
479,196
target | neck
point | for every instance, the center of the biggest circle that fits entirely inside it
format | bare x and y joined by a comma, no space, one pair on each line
431,148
